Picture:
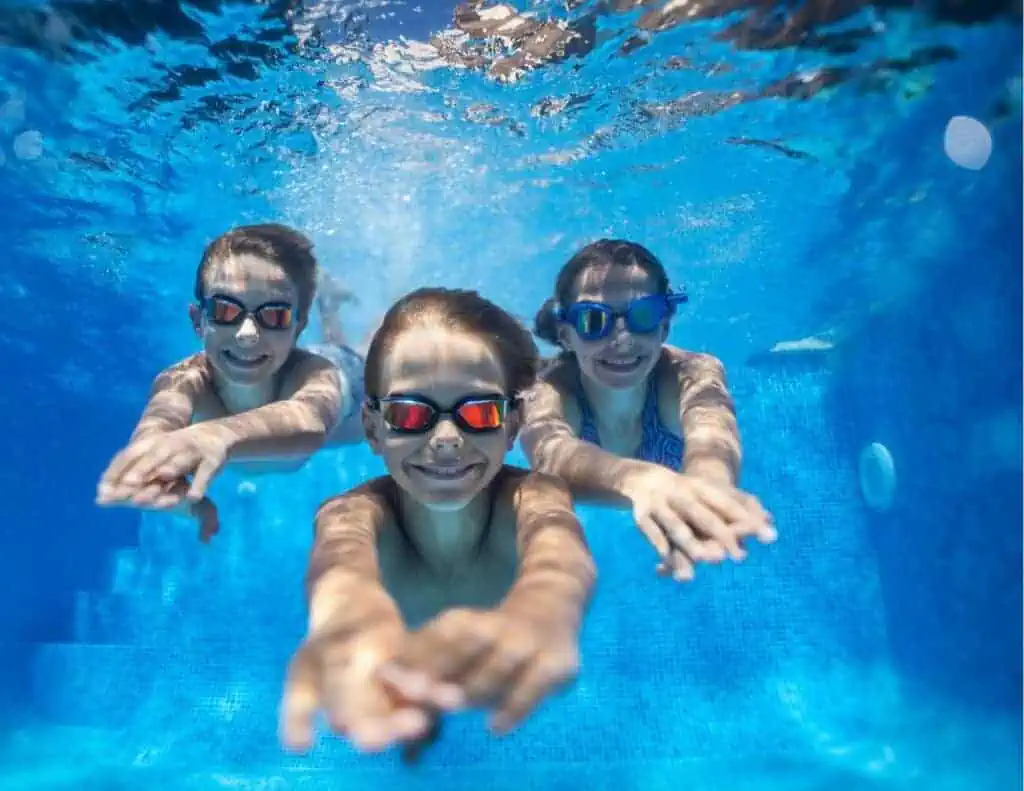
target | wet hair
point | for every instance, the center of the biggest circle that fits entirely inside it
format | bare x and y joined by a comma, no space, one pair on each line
284,246
461,311
602,253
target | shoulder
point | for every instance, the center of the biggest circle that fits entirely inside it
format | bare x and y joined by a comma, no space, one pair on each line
373,498
682,362
527,488
193,372
553,395
306,360
303,368
558,372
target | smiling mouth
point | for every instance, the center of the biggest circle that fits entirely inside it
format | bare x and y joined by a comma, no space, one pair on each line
245,362
437,472
622,364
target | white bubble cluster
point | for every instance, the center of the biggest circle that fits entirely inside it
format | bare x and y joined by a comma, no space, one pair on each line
967,142
28,145
877,472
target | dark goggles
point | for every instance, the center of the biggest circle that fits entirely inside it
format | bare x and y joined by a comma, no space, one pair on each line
413,414
595,320
229,312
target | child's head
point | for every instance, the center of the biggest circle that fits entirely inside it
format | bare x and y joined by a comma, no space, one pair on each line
443,376
254,288
611,310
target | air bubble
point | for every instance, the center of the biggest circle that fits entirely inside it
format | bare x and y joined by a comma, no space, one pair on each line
13,110
28,145
877,472
967,142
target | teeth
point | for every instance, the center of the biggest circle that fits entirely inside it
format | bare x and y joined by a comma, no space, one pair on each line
445,472
623,362
247,360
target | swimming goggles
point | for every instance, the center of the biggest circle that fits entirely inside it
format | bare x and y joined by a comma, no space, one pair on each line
595,320
414,414
229,312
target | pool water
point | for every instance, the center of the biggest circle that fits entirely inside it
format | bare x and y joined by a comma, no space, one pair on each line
858,273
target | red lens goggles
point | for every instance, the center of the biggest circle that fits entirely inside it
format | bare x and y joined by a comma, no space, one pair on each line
229,312
413,414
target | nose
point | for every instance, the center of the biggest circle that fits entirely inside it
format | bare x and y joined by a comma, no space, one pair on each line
446,437
248,333
620,335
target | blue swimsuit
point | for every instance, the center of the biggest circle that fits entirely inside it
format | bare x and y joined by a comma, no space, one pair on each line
350,364
658,445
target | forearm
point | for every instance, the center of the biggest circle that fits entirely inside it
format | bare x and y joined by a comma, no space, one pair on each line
153,427
592,474
707,416
345,601
343,583
166,412
712,449
712,468
556,572
283,429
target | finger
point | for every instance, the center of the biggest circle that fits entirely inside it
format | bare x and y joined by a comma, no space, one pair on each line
407,724
360,706
417,687
115,494
123,461
679,536
207,469
149,494
115,490
299,703
679,567
536,681
763,531
754,505
728,503
491,678
652,530
161,463
444,649
703,519
169,502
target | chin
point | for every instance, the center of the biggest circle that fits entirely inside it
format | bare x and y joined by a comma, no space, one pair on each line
445,505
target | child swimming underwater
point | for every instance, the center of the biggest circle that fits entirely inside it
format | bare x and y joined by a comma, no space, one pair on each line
251,395
621,414
454,580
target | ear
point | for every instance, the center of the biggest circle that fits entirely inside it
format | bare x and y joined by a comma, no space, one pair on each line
562,333
300,325
196,317
513,423
371,427
664,330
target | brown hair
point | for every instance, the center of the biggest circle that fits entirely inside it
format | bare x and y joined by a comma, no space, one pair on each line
462,311
603,252
285,246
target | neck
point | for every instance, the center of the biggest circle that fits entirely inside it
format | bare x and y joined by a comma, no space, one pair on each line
238,398
446,540
615,405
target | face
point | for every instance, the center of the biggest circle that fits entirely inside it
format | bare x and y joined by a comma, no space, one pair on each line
247,352
446,467
621,359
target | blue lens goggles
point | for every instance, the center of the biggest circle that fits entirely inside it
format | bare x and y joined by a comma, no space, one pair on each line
595,320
